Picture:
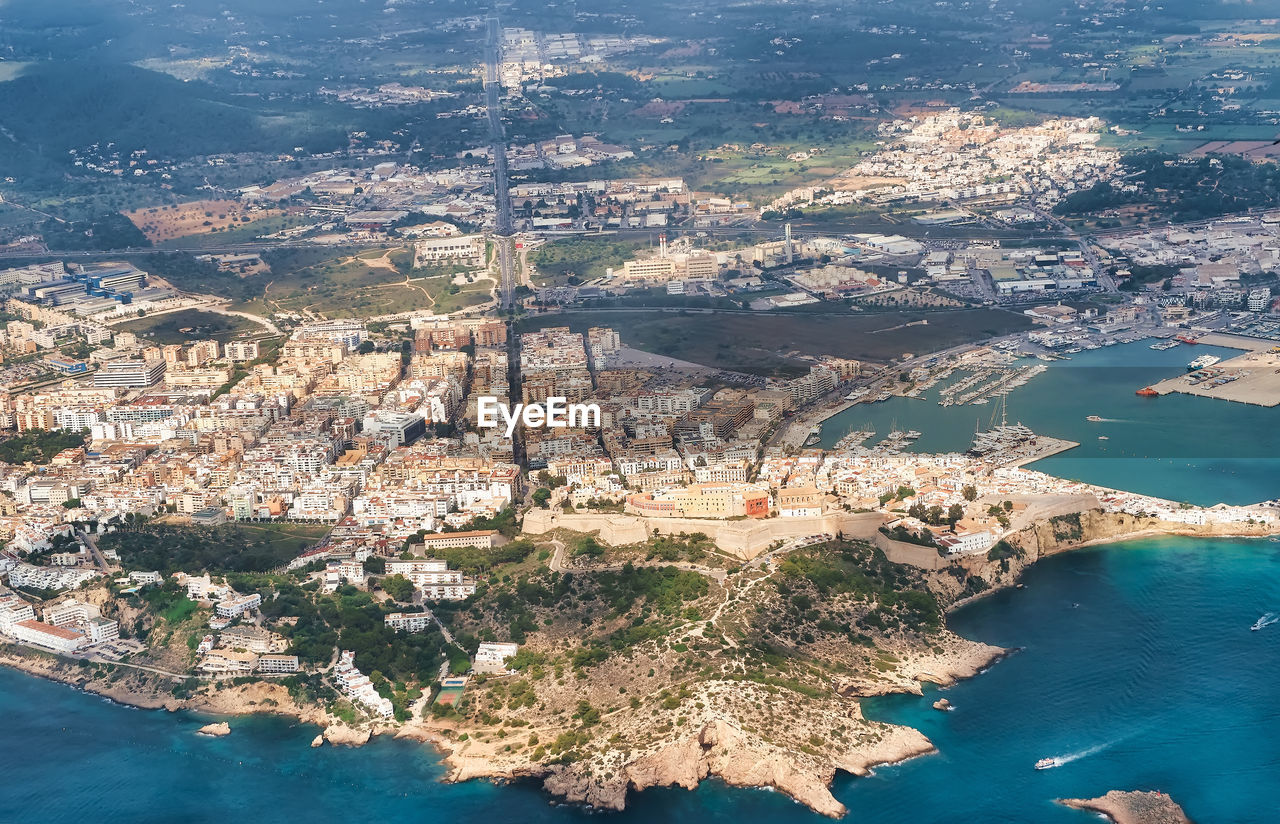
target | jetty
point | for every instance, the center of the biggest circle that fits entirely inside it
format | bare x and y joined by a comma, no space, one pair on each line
1252,378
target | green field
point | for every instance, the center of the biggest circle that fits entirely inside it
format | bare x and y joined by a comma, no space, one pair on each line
768,343
364,283
582,258
189,325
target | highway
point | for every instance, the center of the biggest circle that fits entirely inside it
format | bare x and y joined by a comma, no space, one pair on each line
502,222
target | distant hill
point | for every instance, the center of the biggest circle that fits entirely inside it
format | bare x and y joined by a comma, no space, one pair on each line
57,106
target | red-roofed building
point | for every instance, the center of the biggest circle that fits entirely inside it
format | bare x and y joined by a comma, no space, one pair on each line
58,639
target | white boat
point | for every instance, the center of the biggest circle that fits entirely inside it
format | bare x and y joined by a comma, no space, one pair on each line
1047,763
1094,418
1202,361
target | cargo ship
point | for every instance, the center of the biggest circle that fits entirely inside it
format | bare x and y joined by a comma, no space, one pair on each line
1202,361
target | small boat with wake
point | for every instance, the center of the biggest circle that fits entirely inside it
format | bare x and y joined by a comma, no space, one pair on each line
1047,763
1265,621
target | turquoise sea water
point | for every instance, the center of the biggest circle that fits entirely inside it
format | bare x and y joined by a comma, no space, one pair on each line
1136,657
1199,450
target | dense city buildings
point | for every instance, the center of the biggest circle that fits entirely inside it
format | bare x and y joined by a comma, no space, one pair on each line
573,385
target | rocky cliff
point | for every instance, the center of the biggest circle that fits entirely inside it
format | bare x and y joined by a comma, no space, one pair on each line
1134,807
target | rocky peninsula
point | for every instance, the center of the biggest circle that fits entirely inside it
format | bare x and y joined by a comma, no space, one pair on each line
1133,807
664,664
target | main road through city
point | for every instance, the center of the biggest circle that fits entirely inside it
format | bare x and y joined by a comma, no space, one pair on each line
502,223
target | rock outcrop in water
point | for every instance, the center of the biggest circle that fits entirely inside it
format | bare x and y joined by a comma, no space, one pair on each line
342,735
1135,807
721,750
219,729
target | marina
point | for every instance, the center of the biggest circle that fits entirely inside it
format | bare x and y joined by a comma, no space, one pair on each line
1170,445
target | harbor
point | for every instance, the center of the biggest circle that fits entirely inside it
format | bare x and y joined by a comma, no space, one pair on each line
1252,378
987,384
1015,444
1178,447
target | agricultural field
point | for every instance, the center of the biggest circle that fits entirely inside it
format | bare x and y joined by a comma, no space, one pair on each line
257,227
161,223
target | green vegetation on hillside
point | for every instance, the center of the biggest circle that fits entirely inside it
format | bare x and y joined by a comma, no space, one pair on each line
58,106
1184,188
229,548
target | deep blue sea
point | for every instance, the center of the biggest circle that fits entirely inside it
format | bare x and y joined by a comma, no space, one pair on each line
1137,662
1199,450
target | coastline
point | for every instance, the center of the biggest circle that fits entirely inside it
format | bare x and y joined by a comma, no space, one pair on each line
1134,807
717,746
718,743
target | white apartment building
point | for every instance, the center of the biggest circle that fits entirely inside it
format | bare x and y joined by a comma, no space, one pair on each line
228,662
235,607
129,374
277,664
69,613
58,639
357,686
240,351
491,657
434,578
465,249
409,621
13,610
102,629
